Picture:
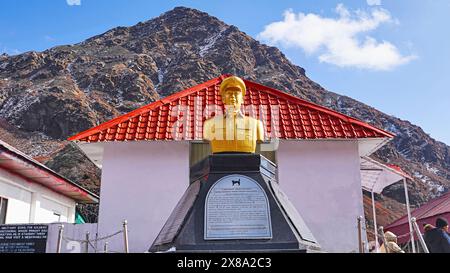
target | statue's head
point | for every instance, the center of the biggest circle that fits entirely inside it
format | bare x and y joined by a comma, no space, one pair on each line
232,91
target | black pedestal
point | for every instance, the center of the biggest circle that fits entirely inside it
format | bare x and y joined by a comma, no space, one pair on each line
234,204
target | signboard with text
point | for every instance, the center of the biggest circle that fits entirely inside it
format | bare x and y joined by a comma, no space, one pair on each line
23,238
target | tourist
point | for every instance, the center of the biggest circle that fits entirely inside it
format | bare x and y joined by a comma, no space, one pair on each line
437,239
392,246
427,227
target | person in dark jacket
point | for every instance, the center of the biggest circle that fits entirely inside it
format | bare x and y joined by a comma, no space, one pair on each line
427,227
437,239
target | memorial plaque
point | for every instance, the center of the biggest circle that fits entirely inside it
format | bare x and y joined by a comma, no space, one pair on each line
23,238
237,207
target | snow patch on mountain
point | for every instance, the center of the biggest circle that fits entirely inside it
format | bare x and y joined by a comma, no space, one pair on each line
210,42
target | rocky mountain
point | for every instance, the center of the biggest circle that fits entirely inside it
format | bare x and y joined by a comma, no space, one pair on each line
48,96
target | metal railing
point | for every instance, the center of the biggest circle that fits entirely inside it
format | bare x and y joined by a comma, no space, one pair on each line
419,235
388,249
360,240
90,242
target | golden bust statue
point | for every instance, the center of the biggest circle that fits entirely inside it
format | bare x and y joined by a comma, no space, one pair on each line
233,132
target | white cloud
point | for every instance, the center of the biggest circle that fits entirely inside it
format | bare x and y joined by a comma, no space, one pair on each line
73,2
338,41
374,2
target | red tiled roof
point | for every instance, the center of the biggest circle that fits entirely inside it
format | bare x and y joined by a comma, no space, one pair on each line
298,119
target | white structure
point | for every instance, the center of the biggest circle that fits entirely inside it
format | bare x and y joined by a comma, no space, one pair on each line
141,183
32,193
145,165
325,187
375,177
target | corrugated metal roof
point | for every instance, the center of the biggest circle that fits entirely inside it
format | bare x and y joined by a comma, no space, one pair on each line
295,118
438,206
426,214
375,176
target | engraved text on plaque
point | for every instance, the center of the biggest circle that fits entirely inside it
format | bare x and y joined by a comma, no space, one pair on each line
237,207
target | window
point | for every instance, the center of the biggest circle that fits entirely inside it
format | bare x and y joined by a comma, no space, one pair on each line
3,208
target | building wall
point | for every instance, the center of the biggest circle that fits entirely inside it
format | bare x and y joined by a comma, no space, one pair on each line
141,183
32,203
322,179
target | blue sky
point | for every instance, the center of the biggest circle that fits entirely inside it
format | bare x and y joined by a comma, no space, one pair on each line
409,77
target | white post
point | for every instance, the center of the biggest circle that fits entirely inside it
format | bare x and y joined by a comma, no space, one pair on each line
421,240
96,240
360,242
71,214
32,208
409,216
60,238
87,243
375,228
125,236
